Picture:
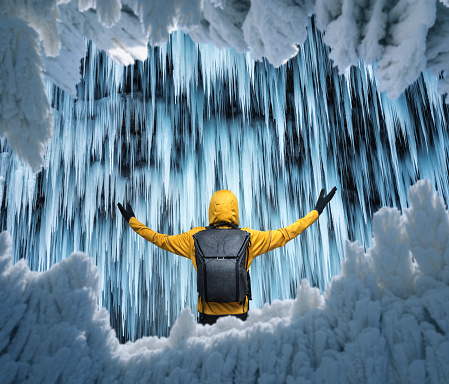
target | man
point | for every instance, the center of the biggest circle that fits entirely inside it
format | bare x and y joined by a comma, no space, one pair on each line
223,208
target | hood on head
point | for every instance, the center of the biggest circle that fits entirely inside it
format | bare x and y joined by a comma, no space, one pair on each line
223,208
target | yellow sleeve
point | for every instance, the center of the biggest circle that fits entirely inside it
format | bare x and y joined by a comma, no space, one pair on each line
263,242
181,244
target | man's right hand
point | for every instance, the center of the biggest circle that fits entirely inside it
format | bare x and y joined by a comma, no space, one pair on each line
127,213
324,200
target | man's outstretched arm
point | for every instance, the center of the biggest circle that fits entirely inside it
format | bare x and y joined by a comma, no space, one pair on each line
181,244
263,242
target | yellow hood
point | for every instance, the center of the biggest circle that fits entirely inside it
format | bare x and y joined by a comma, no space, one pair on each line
223,208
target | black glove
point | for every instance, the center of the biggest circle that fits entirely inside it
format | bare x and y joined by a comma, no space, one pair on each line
127,213
323,200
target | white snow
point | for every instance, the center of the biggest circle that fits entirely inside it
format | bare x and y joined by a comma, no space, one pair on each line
222,25
385,319
390,33
25,116
273,29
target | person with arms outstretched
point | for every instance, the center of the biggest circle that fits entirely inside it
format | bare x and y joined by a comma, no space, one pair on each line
222,253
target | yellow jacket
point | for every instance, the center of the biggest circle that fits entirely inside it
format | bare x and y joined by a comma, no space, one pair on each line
223,208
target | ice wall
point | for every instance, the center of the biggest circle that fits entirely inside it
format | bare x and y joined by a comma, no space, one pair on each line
385,319
166,133
401,37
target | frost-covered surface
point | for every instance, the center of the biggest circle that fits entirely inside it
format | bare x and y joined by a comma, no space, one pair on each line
385,319
273,29
25,115
401,37
391,33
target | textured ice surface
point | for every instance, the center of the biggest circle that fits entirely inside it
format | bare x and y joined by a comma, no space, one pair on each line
385,319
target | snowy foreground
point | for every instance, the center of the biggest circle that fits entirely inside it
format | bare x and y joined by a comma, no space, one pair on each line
385,319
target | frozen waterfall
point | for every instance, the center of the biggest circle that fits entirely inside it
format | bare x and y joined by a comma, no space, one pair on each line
166,133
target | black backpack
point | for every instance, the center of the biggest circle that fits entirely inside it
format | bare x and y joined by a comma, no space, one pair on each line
221,264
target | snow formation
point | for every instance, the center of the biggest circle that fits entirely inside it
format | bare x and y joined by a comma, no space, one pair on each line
385,319
25,115
401,37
